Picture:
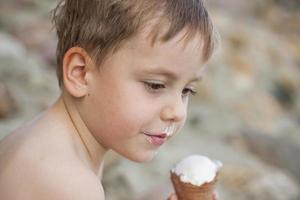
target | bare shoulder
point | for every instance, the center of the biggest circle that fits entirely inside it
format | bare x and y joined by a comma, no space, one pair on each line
75,184
42,170
48,179
68,181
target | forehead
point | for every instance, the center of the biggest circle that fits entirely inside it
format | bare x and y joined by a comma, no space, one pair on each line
178,56
190,46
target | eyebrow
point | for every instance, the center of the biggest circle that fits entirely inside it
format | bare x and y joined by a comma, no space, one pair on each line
170,74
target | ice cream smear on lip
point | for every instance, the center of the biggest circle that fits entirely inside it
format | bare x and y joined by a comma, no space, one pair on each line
170,129
197,169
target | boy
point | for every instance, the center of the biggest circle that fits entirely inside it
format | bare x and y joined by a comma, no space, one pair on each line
126,69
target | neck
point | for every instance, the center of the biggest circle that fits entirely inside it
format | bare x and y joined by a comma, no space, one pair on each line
87,146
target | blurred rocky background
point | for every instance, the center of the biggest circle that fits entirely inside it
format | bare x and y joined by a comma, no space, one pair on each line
246,113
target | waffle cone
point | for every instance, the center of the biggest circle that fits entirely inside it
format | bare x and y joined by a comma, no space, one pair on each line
188,191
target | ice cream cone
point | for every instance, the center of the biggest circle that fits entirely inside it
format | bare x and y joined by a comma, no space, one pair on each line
188,191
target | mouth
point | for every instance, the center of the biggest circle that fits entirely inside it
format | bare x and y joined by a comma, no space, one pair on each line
156,139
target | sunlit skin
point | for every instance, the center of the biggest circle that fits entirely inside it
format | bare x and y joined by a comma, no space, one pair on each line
139,89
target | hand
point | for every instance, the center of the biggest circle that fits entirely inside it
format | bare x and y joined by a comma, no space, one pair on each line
174,197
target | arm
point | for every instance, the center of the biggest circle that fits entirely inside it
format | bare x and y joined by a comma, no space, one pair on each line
80,190
70,185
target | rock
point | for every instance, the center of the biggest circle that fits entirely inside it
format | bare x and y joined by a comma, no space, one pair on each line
10,47
273,185
281,149
31,29
289,4
31,83
260,111
159,192
283,20
285,93
259,183
238,8
37,36
112,159
7,103
286,88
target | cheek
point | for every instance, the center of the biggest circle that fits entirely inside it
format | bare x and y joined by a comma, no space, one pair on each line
131,114
118,113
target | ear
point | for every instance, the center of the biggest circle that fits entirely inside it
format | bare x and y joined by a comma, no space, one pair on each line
76,65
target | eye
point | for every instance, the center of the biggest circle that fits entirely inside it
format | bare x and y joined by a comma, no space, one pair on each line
187,91
154,86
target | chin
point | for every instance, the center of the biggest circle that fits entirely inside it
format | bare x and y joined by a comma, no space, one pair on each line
142,158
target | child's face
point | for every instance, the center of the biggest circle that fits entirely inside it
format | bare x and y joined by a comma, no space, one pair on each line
132,96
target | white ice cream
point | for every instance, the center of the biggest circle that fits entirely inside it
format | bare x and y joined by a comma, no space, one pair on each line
197,169
170,129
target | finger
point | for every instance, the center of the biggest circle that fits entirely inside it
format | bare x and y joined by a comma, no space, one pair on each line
215,196
173,197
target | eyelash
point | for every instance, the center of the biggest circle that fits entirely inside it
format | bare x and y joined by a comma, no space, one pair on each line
154,87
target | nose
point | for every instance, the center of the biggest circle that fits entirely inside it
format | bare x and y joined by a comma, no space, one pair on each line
174,110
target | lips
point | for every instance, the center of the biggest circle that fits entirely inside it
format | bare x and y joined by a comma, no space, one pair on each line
156,139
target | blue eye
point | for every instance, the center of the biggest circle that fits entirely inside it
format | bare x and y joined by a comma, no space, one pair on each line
154,86
187,91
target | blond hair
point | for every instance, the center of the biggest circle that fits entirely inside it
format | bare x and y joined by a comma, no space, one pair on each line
102,26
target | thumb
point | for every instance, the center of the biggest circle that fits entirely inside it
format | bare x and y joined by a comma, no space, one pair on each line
173,197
